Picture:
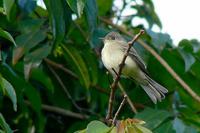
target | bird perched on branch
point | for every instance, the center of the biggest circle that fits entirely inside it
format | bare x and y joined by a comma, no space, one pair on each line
114,49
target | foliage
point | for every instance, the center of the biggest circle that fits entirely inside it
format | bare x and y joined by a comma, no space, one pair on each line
50,69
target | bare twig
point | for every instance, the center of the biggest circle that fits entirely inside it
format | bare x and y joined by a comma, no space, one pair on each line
69,95
60,66
159,58
128,98
117,78
118,110
61,111
64,88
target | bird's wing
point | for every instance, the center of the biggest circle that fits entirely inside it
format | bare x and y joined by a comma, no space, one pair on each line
134,55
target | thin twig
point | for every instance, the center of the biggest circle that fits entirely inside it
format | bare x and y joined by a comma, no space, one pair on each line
64,88
120,107
117,78
159,58
69,95
61,111
128,98
60,66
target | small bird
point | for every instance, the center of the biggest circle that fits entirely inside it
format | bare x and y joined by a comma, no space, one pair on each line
112,54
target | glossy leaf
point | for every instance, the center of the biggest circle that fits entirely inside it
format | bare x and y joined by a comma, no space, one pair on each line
6,128
7,36
8,90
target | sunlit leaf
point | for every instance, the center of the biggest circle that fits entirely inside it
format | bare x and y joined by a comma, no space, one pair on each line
6,128
97,127
7,36
8,90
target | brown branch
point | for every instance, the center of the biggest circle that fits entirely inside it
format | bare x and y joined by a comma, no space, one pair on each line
120,107
128,98
117,78
159,58
60,66
61,111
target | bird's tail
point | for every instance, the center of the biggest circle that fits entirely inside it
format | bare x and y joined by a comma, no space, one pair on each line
155,91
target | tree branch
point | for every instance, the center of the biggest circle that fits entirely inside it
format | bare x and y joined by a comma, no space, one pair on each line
117,78
60,66
128,98
120,107
61,111
159,58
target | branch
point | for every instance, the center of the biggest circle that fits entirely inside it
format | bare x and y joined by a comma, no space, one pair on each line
117,78
128,98
69,95
64,88
159,58
61,111
60,66
120,107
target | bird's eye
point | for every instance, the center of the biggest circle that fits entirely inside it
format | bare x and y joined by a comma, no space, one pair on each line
112,38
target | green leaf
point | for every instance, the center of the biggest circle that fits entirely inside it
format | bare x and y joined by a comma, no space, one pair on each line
7,36
104,6
9,91
77,6
6,128
34,59
153,118
26,42
159,40
178,125
91,14
166,127
188,59
27,5
60,18
97,127
79,63
42,77
142,129
8,4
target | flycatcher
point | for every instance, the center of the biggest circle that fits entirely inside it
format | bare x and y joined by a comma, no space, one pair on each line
112,53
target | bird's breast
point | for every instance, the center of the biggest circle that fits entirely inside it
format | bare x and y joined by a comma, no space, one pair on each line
112,56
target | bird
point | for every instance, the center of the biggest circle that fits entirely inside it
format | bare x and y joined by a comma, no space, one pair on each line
112,53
